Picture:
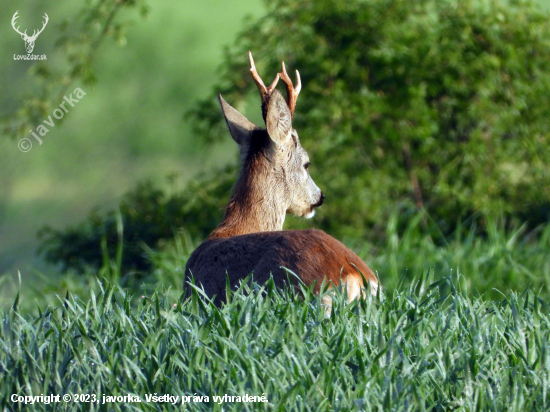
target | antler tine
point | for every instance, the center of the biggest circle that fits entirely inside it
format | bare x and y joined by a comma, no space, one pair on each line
291,91
37,32
47,19
264,91
256,76
13,22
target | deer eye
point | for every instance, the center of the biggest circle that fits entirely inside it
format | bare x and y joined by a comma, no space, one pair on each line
306,166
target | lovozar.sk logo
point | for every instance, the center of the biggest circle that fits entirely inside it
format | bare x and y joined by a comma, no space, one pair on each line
29,40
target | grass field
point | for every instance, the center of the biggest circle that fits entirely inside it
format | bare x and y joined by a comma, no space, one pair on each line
427,347
449,334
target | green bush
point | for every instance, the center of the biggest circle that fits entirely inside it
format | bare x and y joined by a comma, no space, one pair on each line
426,104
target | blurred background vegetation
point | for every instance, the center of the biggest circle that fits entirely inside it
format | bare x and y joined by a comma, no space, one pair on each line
426,121
129,127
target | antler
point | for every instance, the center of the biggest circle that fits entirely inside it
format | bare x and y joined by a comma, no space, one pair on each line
265,92
34,34
291,91
15,17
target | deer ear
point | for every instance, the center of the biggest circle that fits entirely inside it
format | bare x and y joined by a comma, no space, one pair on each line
240,127
278,119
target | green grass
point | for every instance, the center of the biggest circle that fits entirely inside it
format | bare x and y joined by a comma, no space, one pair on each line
427,347
503,261
458,328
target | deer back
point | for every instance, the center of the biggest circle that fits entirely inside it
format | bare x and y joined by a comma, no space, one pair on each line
311,254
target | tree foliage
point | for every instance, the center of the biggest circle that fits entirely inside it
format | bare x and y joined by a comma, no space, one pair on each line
425,104
78,40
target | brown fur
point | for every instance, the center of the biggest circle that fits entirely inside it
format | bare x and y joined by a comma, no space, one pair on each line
311,254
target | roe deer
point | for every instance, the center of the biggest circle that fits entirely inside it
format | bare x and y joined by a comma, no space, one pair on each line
273,180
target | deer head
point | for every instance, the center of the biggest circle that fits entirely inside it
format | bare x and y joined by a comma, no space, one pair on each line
29,40
274,177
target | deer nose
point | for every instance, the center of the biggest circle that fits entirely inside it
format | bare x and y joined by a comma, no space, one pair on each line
321,200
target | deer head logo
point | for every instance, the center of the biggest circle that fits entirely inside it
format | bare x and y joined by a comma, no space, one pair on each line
29,40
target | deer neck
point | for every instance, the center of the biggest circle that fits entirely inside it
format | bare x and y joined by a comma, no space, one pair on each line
257,203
